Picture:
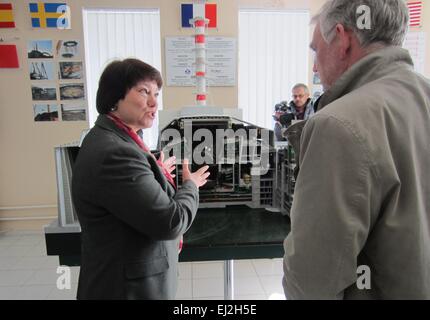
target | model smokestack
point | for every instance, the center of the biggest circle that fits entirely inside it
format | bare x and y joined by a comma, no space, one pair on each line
200,24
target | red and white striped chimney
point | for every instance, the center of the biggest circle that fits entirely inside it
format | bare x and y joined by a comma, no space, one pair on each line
200,24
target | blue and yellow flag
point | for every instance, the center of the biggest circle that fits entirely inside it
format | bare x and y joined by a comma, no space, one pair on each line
50,15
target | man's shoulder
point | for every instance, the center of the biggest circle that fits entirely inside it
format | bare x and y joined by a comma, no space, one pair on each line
371,99
357,102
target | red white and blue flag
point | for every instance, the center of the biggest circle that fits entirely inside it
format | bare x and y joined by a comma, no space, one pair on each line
415,13
194,10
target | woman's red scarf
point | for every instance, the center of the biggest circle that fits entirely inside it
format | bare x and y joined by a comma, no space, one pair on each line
120,124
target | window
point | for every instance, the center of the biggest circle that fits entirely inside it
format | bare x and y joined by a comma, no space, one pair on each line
273,57
415,43
118,34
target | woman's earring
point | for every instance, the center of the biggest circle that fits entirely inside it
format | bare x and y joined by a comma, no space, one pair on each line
114,108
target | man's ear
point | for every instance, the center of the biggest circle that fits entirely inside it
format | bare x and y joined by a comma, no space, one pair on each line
344,41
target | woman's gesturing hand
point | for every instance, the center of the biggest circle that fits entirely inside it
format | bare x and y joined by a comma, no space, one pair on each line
199,177
169,164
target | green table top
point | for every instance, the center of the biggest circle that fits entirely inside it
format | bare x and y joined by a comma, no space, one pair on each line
235,232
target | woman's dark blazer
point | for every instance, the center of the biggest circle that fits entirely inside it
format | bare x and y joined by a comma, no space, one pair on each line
131,218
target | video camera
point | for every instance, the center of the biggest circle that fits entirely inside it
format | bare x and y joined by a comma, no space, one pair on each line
281,107
285,118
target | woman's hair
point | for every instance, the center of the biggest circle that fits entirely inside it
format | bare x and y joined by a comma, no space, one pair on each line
119,77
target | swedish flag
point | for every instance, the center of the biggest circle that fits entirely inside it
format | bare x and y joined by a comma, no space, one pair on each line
49,15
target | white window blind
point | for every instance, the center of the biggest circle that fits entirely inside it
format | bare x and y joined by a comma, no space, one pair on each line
112,34
415,42
273,57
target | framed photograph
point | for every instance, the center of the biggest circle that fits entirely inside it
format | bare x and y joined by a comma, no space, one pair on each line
72,91
73,112
43,92
70,70
40,49
67,49
41,70
45,112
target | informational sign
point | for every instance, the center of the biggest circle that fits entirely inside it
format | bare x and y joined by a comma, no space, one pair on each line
220,61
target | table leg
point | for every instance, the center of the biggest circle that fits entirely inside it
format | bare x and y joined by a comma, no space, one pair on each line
228,280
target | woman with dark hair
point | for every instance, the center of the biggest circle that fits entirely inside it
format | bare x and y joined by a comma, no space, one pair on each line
131,215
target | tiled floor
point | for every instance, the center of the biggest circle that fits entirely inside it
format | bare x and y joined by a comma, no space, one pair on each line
26,272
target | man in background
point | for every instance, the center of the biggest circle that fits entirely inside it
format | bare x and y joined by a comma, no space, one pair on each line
300,108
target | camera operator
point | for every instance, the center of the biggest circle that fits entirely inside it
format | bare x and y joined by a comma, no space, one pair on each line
300,108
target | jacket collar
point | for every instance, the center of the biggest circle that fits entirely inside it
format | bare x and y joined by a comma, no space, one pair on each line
292,106
372,67
104,122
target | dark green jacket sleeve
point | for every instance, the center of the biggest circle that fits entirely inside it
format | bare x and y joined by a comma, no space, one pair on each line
134,190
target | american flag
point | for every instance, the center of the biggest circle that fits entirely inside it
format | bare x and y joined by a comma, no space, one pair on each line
415,12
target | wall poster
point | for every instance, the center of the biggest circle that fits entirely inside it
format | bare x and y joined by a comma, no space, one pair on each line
221,59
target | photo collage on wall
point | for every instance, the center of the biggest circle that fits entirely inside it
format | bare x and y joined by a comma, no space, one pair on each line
56,72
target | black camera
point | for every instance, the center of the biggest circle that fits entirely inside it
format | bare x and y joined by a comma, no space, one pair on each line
281,107
286,119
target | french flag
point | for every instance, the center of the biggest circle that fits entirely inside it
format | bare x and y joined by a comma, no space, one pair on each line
191,11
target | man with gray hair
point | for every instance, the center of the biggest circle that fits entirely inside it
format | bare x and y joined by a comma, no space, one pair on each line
360,219
300,108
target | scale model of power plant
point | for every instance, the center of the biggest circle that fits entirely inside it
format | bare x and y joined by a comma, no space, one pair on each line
246,166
